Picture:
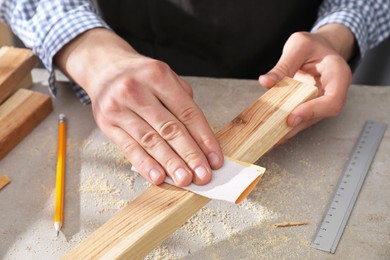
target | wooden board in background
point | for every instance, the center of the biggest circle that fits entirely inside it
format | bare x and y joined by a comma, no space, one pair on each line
154,215
6,36
19,115
15,70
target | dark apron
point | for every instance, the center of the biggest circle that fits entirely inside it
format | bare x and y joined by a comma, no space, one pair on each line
217,38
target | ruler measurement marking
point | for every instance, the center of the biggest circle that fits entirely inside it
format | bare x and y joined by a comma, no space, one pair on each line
350,183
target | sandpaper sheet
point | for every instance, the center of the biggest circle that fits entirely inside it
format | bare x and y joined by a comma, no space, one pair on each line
233,182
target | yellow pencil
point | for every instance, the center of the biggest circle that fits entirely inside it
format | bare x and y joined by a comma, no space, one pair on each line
61,156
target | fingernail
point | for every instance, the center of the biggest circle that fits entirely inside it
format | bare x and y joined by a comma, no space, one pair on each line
180,176
213,159
154,175
297,120
201,172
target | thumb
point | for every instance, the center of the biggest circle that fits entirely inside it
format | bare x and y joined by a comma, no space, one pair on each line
276,74
292,59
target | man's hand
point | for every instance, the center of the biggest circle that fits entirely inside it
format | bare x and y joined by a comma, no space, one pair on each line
319,57
144,108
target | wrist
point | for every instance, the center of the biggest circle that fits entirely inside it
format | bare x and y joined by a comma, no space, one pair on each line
340,38
86,57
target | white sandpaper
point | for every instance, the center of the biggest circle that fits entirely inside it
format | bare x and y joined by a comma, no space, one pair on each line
233,182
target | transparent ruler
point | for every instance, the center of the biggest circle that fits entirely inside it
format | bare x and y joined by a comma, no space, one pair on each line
332,226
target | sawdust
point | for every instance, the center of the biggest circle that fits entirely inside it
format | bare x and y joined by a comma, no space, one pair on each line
121,204
197,225
112,152
161,253
106,178
105,195
128,179
78,237
97,185
214,224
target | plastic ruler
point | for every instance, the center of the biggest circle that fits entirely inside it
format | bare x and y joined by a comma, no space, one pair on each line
334,221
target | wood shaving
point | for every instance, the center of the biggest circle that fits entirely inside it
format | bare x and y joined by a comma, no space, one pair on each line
291,224
4,180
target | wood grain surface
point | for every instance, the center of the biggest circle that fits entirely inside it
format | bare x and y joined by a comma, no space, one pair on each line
15,68
19,115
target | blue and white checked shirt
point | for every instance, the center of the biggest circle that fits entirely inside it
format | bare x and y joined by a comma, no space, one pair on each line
46,26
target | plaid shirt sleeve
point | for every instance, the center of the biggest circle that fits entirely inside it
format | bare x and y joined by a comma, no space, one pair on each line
368,20
46,26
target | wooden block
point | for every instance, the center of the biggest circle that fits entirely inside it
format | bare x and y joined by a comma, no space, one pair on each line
6,37
19,115
15,67
160,210
4,180
26,82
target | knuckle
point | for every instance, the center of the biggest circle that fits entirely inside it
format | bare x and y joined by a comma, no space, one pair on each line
142,164
154,69
104,110
301,38
188,114
171,130
110,106
129,90
282,69
111,101
192,158
299,41
150,140
128,147
171,164
208,142
127,86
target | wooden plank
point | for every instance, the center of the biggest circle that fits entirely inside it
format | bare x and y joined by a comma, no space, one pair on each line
15,67
19,115
254,132
6,37
160,210
26,82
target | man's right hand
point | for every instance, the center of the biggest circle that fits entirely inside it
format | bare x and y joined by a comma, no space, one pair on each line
144,108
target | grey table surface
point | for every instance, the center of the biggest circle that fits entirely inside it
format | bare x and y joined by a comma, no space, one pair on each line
299,182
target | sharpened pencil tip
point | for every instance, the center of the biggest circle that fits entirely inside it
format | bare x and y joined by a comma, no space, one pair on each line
58,232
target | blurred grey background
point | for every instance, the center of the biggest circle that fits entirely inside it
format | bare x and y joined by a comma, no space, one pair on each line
375,67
